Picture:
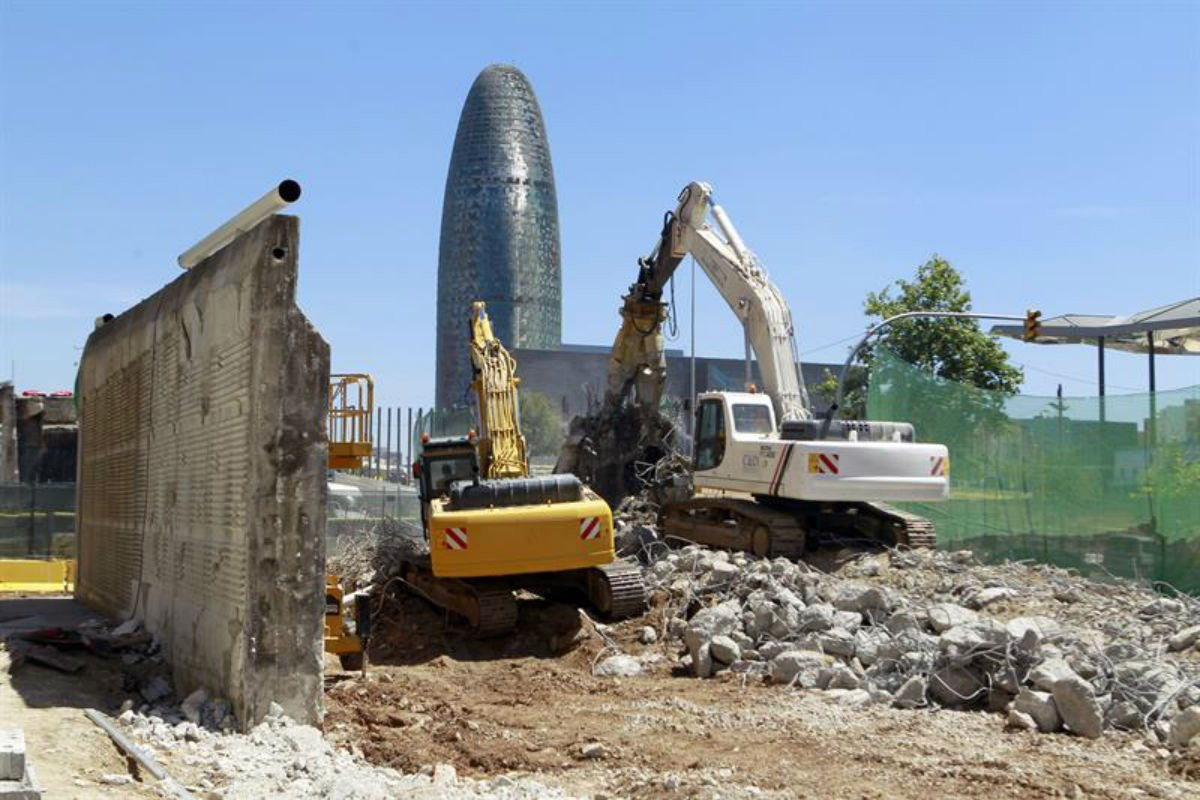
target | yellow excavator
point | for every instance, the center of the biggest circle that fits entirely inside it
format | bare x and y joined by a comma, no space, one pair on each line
492,528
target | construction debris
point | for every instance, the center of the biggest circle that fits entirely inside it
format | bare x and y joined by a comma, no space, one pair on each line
911,629
283,759
22,652
16,776
170,786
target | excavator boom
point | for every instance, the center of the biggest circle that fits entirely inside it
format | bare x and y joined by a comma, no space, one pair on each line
501,444
638,366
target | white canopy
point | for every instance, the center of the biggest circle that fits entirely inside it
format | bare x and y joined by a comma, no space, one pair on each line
1174,329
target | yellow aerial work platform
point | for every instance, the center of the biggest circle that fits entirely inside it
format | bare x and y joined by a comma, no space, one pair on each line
351,401
37,576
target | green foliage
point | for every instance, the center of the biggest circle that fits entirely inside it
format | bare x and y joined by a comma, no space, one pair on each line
952,349
1173,476
855,394
541,423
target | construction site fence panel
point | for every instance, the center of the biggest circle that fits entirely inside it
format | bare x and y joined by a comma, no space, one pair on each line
1109,486
37,520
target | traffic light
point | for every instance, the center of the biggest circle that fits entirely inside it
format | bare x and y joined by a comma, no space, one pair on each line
1033,325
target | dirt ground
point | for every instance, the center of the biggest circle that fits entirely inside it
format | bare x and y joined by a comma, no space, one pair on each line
529,704
522,704
68,753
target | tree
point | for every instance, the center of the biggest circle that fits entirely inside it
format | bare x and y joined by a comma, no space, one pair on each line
541,423
953,349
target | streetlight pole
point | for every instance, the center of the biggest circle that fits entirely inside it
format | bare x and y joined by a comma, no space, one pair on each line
875,329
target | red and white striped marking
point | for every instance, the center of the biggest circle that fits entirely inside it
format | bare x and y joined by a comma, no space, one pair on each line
454,538
823,463
939,465
589,528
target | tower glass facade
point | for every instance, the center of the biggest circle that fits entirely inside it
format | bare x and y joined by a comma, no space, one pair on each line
499,239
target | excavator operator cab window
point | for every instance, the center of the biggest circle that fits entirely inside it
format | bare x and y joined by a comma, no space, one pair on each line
752,418
710,434
441,470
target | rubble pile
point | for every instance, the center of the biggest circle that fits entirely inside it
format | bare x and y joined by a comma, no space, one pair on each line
283,759
358,560
617,452
921,628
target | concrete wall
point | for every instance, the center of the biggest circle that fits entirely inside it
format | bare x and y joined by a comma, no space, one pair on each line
202,462
8,432
46,439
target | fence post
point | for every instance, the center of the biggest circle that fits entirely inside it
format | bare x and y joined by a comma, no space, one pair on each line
408,446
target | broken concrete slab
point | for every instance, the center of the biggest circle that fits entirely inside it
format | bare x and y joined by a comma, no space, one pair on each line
24,789
201,487
12,754
22,652
1075,700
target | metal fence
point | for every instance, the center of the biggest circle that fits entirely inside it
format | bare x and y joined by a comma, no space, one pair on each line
1106,485
37,520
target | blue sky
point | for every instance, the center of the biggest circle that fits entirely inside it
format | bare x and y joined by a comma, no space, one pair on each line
1050,151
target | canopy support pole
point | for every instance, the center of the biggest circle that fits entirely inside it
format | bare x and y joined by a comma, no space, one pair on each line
1152,428
1100,350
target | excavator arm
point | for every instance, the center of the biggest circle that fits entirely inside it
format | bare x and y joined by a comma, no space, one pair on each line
501,444
638,367
606,447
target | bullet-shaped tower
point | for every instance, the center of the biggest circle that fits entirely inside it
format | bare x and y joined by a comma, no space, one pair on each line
499,240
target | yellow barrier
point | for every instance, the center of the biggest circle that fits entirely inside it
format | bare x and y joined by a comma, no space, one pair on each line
29,576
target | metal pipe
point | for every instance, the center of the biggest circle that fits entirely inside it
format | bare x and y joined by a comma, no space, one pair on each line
691,404
731,234
138,754
286,193
1152,428
378,438
746,337
1150,342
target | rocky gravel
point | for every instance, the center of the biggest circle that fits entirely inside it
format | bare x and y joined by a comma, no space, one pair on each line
1054,652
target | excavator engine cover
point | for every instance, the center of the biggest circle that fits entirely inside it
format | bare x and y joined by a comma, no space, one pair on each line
809,430
504,493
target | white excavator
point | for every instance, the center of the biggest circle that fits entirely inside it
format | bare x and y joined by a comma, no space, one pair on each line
767,476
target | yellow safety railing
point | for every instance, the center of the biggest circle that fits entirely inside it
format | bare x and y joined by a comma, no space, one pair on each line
351,401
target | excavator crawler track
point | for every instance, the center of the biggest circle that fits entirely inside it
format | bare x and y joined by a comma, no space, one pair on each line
488,605
773,527
737,524
617,590
910,530
497,614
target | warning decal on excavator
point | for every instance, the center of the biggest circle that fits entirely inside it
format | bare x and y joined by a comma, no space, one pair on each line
822,463
455,538
939,466
780,469
589,528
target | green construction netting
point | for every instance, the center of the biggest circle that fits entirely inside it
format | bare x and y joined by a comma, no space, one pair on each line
1109,486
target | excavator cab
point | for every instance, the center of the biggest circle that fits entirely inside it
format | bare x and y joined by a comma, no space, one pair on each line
444,461
749,415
